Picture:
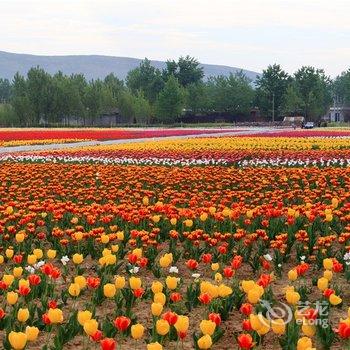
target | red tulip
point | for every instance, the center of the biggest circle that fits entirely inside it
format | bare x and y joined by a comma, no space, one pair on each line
171,317
175,297
216,318
3,285
245,341
328,292
192,264
138,293
93,282
310,314
108,344
34,280
337,266
18,259
132,258
228,272
246,309
236,262
2,313
122,323
222,249
47,269
52,304
96,336
205,298
55,273
143,262
24,290
45,319
246,325
206,258
344,330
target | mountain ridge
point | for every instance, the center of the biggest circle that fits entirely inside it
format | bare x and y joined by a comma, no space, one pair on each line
93,66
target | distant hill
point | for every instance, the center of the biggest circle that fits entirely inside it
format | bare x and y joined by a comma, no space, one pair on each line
92,66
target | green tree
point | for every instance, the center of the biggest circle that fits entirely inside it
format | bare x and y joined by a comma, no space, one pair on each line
170,101
142,109
5,90
187,70
232,94
314,89
341,87
127,106
145,79
196,98
20,101
271,88
292,102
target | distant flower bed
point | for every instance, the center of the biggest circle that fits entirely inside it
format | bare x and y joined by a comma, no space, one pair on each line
98,134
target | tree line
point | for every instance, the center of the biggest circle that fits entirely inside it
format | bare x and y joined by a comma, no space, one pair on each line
149,95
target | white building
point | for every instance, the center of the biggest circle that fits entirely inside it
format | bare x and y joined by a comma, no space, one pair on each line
339,114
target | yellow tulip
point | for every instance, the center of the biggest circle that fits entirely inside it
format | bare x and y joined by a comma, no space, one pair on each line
109,290
207,327
154,346
74,289
137,331
171,282
31,259
159,298
137,252
304,343
78,258
18,340
9,253
322,284
205,342
308,330
224,290
215,266
247,285
17,271
292,297
84,316
51,253
328,274
104,239
12,297
173,221
135,282
90,327
81,281
218,277
119,282
32,333
292,275
278,326
120,235
335,300
157,287
38,253
162,327
156,309
20,237
328,264
2,259
203,217
55,315
182,324
8,279
22,315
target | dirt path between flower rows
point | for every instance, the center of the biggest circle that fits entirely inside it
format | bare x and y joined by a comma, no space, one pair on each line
55,146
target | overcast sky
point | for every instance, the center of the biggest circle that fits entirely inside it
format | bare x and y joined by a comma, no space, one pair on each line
243,33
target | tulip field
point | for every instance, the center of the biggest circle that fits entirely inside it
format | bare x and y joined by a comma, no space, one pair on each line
222,242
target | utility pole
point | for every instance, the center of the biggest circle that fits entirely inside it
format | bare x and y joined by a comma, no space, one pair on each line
273,107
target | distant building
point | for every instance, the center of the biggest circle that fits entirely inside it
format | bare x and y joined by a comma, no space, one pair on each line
338,114
293,121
